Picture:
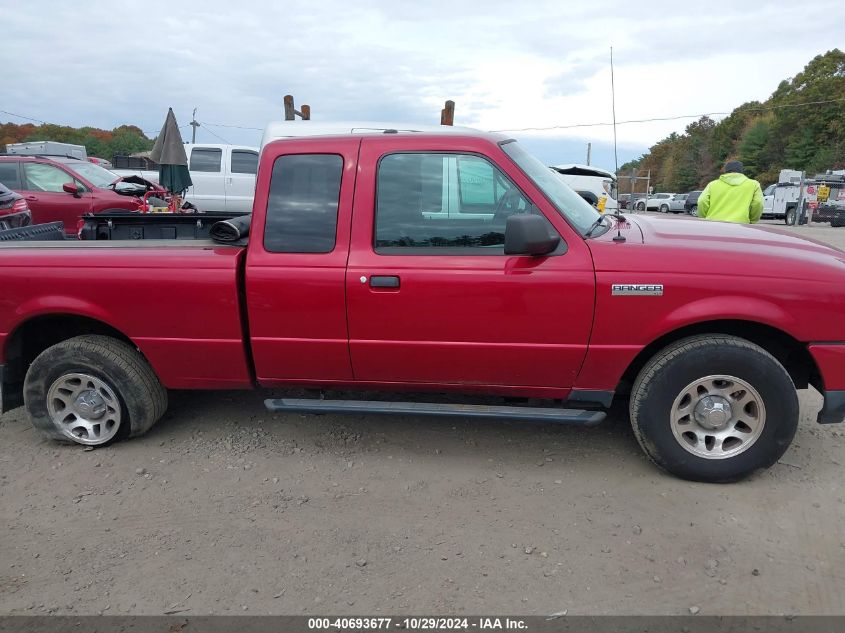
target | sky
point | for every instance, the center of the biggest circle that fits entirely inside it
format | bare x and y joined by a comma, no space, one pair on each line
507,65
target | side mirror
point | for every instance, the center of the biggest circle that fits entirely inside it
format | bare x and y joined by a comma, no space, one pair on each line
527,234
72,188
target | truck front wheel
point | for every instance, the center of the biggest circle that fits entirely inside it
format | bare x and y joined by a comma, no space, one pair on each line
92,390
714,408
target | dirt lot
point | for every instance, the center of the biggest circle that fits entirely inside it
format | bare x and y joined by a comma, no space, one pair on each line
225,508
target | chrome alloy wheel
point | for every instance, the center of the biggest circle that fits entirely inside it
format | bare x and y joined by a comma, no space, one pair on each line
717,417
84,409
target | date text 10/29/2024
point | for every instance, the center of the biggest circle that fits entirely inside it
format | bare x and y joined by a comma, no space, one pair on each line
416,624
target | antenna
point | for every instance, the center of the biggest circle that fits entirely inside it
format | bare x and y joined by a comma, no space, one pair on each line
619,218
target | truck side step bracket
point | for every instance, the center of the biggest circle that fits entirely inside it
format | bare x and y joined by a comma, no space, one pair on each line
528,414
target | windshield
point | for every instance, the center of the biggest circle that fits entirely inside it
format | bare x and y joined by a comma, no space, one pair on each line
94,174
580,213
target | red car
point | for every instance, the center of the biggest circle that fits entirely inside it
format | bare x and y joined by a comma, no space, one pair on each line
58,188
14,212
452,263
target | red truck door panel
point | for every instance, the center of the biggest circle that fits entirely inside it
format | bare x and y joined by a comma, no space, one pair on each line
297,261
431,297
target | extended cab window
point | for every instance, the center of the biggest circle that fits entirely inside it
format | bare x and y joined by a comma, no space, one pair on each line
302,205
443,201
244,161
206,159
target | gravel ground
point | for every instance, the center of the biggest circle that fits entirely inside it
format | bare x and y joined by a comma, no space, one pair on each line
226,508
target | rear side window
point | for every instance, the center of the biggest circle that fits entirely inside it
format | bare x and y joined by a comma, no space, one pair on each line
244,162
205,159
302,205
10,174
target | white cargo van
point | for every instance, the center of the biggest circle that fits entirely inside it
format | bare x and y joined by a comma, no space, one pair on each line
223,176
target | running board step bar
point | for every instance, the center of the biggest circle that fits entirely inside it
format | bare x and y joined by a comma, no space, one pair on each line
528,414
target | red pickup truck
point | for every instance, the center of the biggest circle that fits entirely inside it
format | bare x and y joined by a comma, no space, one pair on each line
444,263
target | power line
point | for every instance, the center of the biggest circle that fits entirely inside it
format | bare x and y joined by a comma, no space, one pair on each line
215,135
20,116
669,118
239,127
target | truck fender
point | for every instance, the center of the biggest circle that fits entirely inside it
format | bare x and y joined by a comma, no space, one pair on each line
59,305
726,307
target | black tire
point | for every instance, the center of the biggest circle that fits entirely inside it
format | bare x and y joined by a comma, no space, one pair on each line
789,218
671,370
142,398
694,210
640,207
838,221
664,208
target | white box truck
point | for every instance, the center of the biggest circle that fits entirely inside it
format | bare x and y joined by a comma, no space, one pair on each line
48,148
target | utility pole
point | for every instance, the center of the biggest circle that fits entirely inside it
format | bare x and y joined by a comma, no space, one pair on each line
194,126
589,149
634,179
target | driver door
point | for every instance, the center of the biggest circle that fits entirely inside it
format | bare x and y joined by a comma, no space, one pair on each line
431,296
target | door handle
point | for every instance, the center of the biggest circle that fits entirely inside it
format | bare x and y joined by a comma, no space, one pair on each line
384,281
32,197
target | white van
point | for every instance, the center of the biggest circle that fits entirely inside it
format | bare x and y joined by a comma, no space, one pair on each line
596,185
223,176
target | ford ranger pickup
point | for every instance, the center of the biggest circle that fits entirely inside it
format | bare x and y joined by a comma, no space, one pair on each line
454,264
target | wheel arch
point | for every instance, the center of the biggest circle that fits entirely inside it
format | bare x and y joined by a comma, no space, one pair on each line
33,335
790,352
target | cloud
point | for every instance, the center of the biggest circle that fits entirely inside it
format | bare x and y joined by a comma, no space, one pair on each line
506,64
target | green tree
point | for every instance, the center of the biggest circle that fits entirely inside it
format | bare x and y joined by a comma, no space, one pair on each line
801,126
752,146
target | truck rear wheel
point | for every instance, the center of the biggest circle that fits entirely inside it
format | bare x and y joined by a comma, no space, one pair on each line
789,218
714,408
92,390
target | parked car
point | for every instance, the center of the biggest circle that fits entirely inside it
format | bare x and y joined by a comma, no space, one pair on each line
632,204
369,266
691,202
102,162
58,188
653,202
14,211
674,205
623,199
223,176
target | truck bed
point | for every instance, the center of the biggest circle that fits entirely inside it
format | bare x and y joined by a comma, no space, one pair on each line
179,303
119,225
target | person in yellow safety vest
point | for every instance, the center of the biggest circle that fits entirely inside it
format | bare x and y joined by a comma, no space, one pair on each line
733,197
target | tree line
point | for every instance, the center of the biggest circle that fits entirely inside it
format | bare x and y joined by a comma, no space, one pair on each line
800,126
123,140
